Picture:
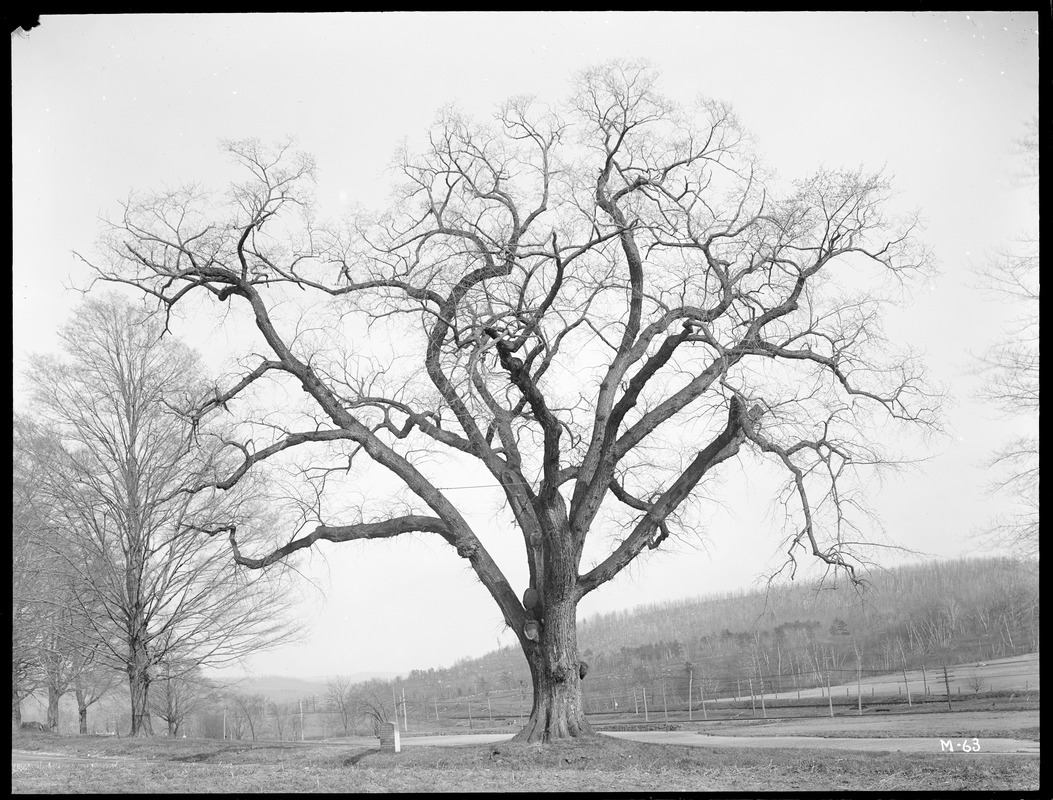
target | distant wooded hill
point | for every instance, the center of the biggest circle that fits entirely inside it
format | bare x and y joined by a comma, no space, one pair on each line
279,688
791,636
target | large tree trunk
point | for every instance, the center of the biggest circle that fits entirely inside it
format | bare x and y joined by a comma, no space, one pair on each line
16,709
53,707
139,688
82,710
559,710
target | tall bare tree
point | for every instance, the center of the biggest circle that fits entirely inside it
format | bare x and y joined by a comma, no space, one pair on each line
30,565
1010,373
598,304
150,591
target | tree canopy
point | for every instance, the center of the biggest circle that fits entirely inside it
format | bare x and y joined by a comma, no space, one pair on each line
598,302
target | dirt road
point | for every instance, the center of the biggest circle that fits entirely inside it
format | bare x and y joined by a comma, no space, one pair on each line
758,737
948,733
957,746
927,725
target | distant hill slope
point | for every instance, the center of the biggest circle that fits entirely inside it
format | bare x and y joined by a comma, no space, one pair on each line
793,635
280,688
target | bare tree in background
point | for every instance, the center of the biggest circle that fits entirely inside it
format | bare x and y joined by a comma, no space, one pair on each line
51,645
30,563
597,305
149,589
372,704
57,653
283,715
341,697
249,709
1010,373
92,681
179,690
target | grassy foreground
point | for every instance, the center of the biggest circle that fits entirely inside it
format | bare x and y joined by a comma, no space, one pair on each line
206,766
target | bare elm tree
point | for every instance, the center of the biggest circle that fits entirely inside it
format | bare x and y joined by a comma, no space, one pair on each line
598,304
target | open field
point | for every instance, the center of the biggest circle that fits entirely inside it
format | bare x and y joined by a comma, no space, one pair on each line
798,747
609,764
940,724
1015,673
996,714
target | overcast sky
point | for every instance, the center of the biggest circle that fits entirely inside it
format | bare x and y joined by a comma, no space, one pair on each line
102,105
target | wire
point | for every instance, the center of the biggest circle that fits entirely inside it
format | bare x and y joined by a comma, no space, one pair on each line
481,486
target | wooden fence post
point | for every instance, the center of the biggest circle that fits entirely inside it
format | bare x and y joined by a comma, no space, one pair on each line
690,677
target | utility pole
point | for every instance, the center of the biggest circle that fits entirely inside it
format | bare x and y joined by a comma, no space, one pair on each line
405,713
665,707
859,688
301,719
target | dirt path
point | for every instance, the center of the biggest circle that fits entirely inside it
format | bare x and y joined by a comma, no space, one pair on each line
765,738
963,747
916,733
928,724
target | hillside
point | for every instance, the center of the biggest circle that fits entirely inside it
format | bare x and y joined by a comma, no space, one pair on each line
792,636
282,689
786,641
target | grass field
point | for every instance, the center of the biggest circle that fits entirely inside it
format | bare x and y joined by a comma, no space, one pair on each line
988,715
188,765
